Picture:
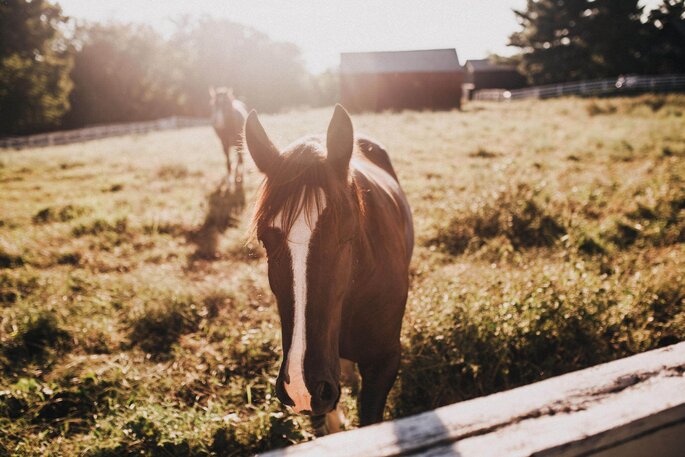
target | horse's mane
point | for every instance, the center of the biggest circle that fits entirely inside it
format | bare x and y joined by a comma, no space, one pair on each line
304,181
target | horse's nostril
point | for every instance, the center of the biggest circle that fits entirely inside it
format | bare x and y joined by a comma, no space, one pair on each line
325,392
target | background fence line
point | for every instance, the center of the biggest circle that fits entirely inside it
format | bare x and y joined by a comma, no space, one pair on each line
101,131
622,84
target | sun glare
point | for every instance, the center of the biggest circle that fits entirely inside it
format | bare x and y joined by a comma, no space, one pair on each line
323,29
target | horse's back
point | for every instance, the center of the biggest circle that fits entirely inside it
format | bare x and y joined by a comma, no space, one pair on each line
232,131
376,154
384,197
382,268
240,112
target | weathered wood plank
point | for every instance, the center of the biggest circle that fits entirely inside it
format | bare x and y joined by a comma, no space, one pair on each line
579,413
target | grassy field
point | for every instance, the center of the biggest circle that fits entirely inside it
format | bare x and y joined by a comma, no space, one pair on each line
550,237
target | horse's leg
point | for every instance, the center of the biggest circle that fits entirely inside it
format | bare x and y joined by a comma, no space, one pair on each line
326,424
227,153
239,167
378,376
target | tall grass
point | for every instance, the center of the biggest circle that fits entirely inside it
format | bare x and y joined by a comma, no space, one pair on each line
550,237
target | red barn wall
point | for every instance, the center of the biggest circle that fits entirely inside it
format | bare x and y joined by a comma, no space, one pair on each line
397,91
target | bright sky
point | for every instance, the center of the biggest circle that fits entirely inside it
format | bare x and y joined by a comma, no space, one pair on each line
324,28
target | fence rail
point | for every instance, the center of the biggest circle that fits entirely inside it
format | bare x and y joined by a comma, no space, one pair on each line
102,131
626,408
622,84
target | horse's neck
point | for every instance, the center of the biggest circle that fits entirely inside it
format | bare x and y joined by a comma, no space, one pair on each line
229,118
372,201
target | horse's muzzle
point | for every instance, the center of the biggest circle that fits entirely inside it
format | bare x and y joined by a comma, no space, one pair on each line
325,396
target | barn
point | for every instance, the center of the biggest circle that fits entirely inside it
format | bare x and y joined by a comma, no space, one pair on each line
486,74
396,80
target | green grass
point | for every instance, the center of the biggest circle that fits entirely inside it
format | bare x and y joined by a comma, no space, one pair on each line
550,237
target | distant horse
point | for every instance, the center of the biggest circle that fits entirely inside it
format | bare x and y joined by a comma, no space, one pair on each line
339,236
228,118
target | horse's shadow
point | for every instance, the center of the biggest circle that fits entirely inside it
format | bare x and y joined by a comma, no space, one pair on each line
225,205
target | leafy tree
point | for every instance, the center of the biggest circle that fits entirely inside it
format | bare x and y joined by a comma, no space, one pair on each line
325,88
617,39
122,73
667,37
567,40
34,66
126,73
269,75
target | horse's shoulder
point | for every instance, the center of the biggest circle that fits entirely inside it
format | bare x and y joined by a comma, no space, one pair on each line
376,154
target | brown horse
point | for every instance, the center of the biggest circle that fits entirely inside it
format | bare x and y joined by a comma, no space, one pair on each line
339,236
228,118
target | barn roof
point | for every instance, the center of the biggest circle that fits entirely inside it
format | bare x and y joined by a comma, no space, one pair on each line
428,61
487,65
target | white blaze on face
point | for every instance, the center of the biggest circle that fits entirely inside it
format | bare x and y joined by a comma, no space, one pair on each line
298,244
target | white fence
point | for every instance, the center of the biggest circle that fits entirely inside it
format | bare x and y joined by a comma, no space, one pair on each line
102,131
623,84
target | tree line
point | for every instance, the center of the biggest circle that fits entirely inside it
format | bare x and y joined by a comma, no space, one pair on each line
55,73
573,40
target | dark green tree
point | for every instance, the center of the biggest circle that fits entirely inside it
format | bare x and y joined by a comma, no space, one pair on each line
34,66
568,40
667,37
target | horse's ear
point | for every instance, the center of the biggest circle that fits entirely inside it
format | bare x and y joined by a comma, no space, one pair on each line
212,92
340,140
262,150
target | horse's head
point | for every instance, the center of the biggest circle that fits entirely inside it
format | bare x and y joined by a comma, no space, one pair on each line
308,217
220,100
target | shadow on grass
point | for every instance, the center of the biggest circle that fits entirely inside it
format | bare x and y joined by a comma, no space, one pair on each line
225,205
39,339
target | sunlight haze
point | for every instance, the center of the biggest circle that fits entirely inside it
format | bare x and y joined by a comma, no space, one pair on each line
325,28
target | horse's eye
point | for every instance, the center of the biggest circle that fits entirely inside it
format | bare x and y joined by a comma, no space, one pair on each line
271,239
267,242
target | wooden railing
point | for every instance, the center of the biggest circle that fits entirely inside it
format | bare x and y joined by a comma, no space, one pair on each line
101,131
623,84
630,407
